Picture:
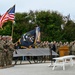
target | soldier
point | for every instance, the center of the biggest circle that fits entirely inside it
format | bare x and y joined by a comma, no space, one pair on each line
1,52
10,53
70,47
73,48
41,45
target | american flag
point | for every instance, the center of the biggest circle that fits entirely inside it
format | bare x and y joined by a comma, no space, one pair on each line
8,16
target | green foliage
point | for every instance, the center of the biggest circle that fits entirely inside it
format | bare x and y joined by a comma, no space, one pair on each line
6,30
69,31
49,22
50,25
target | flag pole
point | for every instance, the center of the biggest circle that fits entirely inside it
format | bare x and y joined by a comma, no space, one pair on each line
12,29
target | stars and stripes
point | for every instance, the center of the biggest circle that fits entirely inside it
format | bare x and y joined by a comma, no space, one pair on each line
8,16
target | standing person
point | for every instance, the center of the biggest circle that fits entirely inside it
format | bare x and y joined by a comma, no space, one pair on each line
70,47
10,53
5,53
50,46
54,46
73,48
1,52
51,56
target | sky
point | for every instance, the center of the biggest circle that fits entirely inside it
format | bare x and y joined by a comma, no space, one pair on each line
64,7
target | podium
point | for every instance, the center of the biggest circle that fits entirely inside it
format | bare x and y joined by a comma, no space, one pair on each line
63,51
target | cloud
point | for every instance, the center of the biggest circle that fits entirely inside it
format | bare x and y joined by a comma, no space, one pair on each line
64,6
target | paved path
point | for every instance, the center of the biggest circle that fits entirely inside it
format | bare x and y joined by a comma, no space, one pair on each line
37,69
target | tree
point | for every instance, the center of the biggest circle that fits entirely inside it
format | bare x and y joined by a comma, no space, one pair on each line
49,22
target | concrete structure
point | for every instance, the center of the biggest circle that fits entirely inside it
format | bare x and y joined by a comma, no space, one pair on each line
37,69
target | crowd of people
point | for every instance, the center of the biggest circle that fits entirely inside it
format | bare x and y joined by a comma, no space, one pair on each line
6,51
53,45
56,45
7,48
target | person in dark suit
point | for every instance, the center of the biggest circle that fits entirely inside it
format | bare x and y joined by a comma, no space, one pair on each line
53,46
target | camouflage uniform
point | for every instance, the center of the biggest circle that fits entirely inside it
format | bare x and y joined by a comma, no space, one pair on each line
10,54
1,53
41,45
73,49
5,53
